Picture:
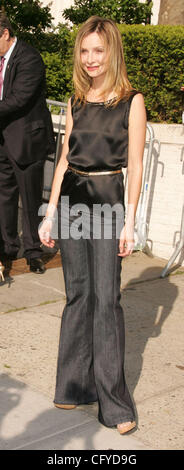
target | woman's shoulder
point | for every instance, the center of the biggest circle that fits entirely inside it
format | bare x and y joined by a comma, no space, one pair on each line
137,110
134,104
72,98
134,92
75,103
135,98
131,95
70,103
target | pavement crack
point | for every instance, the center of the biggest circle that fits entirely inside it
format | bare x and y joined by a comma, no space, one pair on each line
48,287
29,307
160,394
48,436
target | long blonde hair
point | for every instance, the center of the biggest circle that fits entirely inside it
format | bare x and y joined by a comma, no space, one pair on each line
116,77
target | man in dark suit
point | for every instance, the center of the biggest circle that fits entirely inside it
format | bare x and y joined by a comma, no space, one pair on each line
26,138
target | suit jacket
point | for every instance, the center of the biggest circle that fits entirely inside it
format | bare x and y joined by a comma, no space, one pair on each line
25,121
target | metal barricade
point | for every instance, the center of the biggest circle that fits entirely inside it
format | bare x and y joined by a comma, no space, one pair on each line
180,245
58,112
179,248
141,232
142,225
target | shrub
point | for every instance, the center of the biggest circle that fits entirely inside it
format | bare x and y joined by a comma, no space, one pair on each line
155,63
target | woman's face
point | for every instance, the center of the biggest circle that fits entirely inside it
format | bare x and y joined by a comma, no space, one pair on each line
94,57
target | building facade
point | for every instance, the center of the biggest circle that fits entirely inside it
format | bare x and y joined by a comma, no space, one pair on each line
171,12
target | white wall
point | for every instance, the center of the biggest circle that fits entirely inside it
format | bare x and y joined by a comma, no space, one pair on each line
155,10
57,8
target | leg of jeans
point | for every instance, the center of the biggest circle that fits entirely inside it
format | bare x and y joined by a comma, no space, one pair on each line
75,382
115,404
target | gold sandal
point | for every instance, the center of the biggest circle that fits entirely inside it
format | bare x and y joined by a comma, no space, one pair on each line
2,268
126,427
65,407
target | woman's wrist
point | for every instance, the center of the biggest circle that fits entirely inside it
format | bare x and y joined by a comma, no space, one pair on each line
49,218
50,213
130,214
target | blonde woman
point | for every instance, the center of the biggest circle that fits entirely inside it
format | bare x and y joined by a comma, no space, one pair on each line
105,131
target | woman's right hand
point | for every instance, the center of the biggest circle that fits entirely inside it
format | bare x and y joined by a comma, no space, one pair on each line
45,233
126,242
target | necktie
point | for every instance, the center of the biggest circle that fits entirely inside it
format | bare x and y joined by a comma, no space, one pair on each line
1,73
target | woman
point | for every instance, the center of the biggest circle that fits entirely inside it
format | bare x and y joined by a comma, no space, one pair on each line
105,130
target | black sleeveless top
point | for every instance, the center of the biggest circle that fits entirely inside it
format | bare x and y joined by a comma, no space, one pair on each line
98,141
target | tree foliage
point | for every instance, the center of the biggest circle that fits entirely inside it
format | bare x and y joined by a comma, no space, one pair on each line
27,15
121,11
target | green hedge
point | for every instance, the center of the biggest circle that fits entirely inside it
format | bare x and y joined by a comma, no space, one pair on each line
155,62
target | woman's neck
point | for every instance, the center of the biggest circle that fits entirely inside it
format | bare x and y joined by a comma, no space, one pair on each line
95,91
96,87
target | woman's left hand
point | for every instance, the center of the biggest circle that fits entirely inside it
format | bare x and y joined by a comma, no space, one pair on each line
126,241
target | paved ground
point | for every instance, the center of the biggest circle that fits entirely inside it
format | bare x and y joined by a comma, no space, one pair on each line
30,314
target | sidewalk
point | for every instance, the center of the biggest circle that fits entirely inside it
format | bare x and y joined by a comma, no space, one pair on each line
30,316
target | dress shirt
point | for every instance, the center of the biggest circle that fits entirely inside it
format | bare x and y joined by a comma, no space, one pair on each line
7,57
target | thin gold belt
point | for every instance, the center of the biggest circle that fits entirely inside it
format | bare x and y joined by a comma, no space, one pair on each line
93,173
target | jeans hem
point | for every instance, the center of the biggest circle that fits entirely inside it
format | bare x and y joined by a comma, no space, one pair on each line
117,421
56,402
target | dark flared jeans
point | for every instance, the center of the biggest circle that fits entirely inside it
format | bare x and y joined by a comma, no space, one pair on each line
92,341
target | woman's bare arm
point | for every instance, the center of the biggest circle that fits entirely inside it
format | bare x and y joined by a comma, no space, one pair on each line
136,143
